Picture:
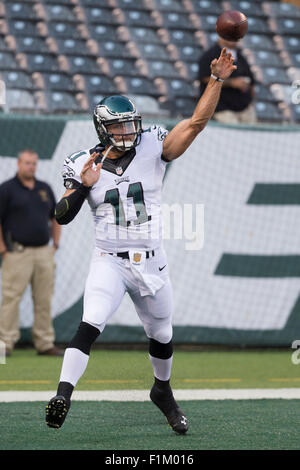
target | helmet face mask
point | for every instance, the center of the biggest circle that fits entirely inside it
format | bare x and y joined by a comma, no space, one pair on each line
117,123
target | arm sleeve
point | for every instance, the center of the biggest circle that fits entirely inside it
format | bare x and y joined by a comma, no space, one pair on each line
68,207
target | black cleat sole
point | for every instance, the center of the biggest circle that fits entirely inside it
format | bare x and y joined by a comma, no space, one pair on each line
56,412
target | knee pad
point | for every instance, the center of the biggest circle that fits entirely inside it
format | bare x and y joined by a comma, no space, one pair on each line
85,337
160,350
161,333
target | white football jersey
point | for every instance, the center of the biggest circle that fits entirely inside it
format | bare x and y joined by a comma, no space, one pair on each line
126,200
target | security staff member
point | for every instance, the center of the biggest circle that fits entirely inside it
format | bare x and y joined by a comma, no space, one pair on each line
26,224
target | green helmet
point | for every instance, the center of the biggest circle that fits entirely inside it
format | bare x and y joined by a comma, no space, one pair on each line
117,122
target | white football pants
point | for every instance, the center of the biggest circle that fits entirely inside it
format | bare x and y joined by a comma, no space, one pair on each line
110,277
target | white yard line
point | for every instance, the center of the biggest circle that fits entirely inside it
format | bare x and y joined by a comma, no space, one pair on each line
143,395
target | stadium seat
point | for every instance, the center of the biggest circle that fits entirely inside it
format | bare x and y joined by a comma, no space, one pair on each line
264,93
23,28
274,75
133,4
258,41
157,68
42,62
3,44
295,58
103,32
192,69
8,61
208,22
290,43
176,20
248,7
83,64
268,112
267,58
59,102
204,7
181,107
20,11
97,84
176,88
60,29
31,44
55,81
146,105
140,34
124,67
115,49
169,5
21,101
189,53
60,13
90,3
295,111
57,2
137,18
282,10
258,25
101,15
182,37
153,51
210,38
72,46
17,79
138,86
288,26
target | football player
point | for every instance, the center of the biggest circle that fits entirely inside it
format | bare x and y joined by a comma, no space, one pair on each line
121,177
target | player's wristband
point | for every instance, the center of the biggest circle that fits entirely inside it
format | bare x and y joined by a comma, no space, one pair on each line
216,78
68,207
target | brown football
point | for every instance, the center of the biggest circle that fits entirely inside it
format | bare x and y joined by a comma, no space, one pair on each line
232,25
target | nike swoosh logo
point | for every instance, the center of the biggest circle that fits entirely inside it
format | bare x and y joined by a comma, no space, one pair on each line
162,267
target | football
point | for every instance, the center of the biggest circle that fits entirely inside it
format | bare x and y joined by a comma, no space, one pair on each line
232,25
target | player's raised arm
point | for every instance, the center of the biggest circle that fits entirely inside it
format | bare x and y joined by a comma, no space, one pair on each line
70,204
183,134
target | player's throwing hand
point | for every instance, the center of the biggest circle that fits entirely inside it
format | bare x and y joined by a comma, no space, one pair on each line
223,66
89,175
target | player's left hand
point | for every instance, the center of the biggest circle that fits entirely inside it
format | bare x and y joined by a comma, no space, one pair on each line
223,66
89,175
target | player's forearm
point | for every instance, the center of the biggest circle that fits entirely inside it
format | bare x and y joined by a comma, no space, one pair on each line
206,105
68,207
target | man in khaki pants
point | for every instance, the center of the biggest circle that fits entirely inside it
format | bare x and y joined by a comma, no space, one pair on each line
26,225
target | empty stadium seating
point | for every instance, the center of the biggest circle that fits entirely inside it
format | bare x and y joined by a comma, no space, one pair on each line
63,55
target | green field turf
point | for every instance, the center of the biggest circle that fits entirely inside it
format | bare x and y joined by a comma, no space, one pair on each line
224,424
25,370
221,425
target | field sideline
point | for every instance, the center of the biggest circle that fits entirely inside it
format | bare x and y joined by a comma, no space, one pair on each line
246,399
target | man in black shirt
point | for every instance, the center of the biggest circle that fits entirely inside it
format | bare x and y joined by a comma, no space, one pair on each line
236,99
26,225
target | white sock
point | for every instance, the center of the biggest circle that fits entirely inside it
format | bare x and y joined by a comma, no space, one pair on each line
161,367
74,365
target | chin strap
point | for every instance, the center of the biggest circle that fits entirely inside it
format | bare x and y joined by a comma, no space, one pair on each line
106,153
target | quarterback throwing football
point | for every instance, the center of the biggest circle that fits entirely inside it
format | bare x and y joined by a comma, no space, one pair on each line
121,177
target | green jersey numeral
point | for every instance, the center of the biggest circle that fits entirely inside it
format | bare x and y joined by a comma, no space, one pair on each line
135,191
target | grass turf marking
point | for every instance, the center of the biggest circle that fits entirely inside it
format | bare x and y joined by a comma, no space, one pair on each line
143,395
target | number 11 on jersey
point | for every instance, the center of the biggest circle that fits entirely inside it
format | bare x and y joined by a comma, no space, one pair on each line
135,190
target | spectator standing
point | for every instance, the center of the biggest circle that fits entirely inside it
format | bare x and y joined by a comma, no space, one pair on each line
26,225
236,100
